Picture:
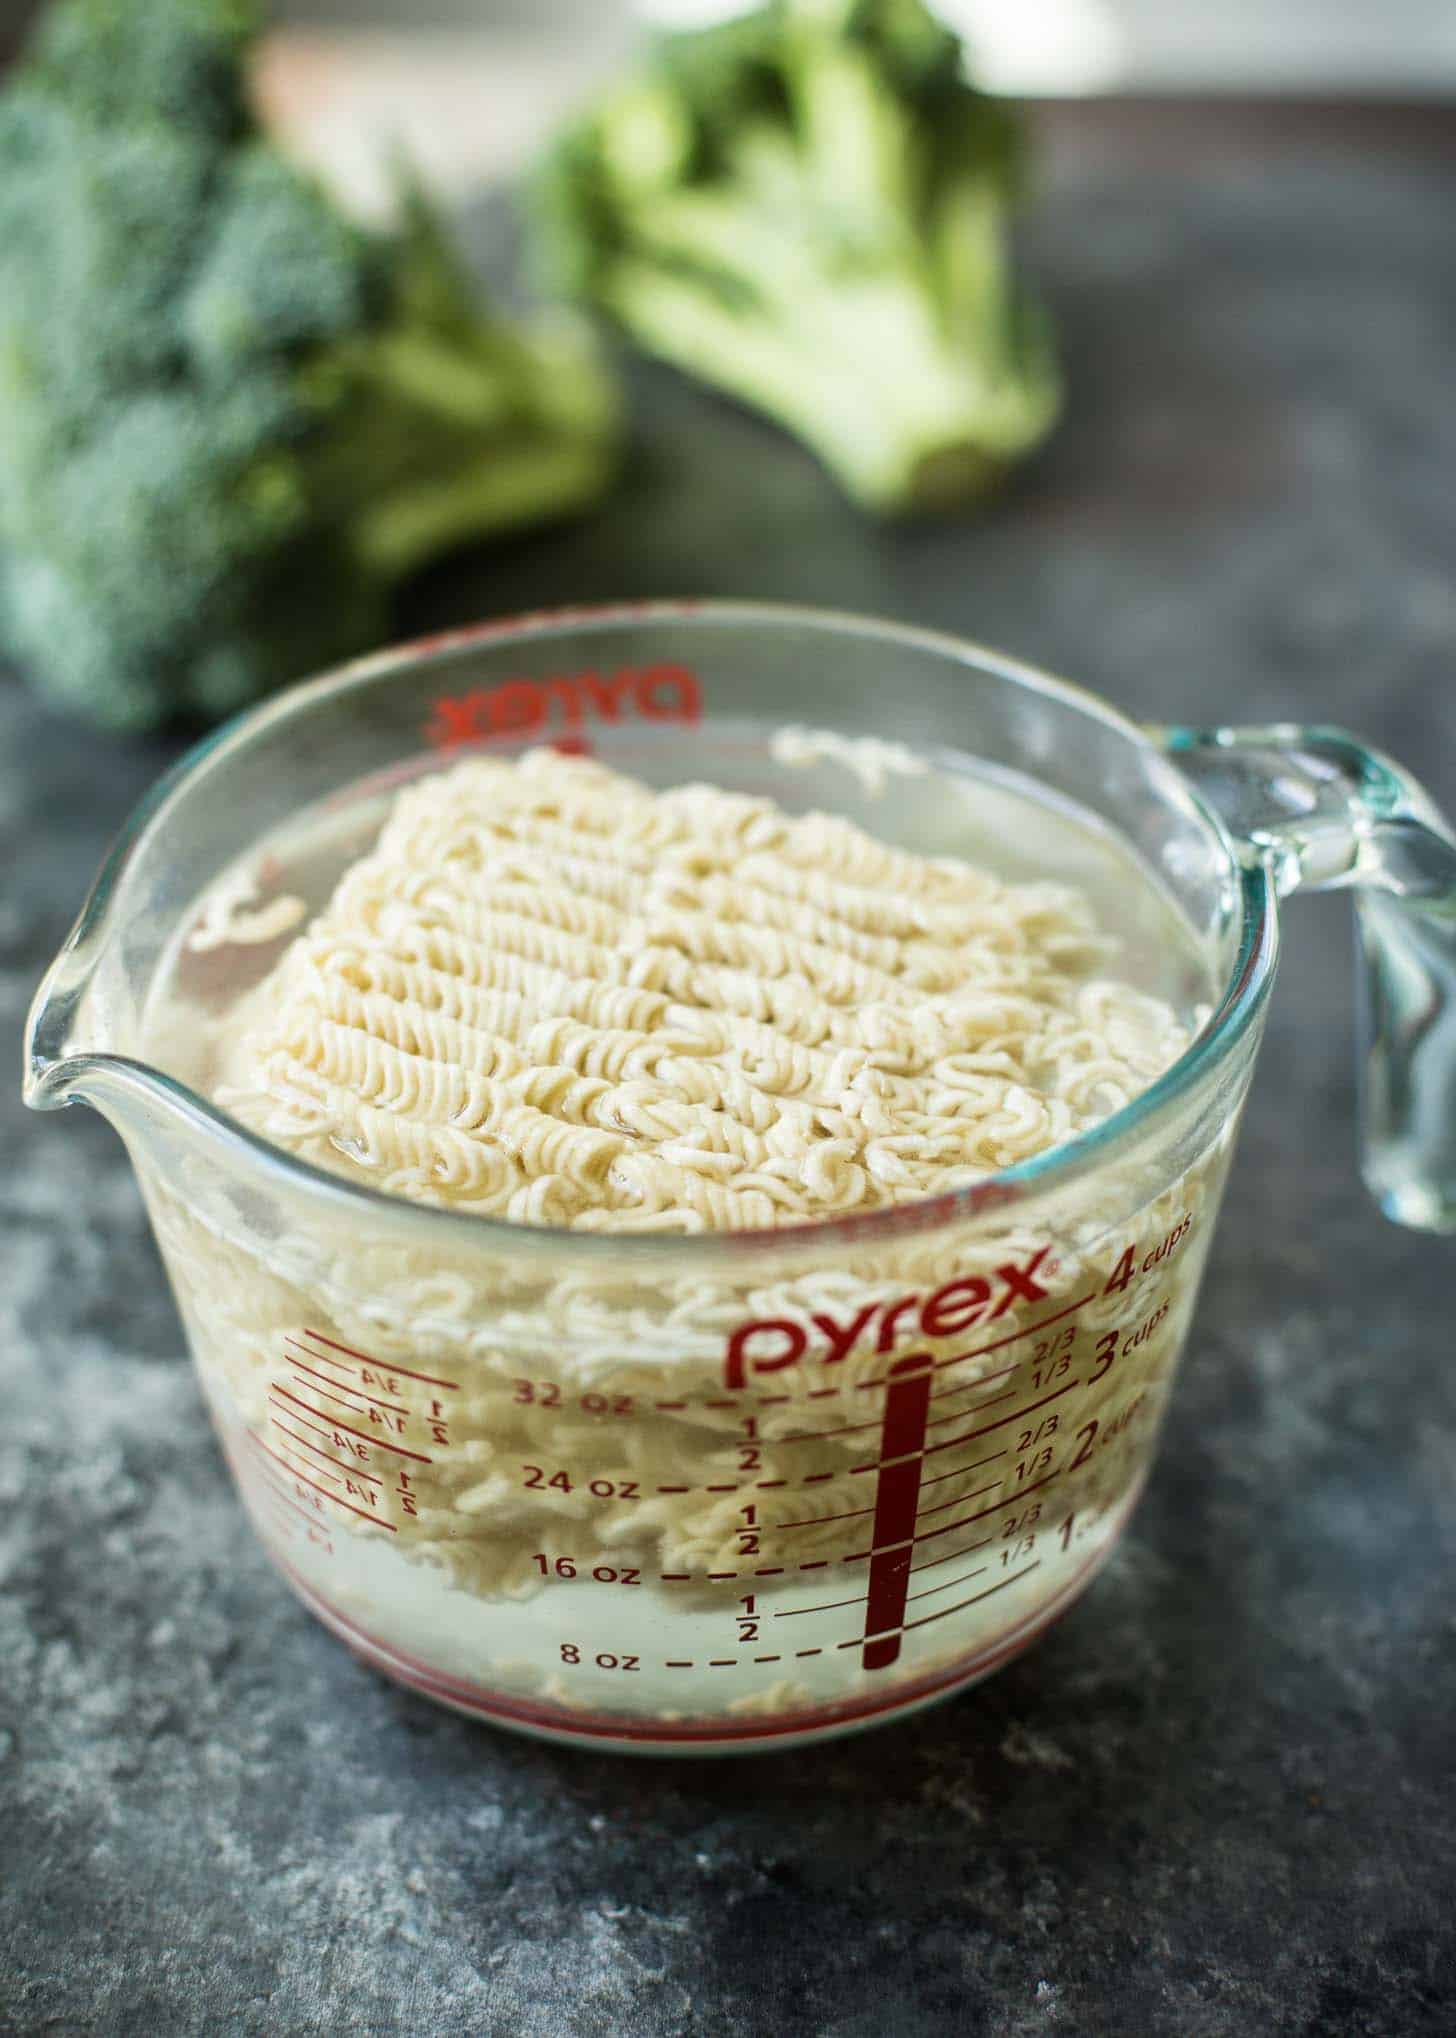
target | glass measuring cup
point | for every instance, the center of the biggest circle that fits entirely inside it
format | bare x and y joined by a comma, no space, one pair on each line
739,1489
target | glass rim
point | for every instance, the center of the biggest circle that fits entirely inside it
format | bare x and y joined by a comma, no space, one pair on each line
1034,1179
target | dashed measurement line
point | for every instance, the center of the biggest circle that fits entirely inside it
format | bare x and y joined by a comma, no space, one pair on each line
379,1365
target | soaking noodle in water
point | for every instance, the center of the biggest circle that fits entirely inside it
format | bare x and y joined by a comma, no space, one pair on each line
551,995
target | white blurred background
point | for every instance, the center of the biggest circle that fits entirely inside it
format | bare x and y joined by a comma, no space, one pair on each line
473,86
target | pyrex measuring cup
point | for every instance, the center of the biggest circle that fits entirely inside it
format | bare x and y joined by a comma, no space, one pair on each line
718,1491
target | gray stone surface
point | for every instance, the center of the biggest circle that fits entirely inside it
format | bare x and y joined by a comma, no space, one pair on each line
1218,1798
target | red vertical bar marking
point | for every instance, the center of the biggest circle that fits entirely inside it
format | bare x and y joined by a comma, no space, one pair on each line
897,1497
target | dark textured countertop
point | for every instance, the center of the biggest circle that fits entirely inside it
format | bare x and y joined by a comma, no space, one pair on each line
1218,1799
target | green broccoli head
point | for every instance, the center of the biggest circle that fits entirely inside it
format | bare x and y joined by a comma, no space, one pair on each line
230,419
809,206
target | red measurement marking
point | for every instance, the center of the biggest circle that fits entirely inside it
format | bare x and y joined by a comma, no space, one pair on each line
364,1436
897,1496
379,1365
824,1606
358,1393
293,1471
960,1606
296,1376
302,1444
680,1664
814,1436
338,1390
975,1600
613,1729
723,1663
674,1489
929,1591
274,1412
959,1471
970,1386
970,1435
1032,1330
799,1654
675,1577
816,1564
941,1505
1011,1500
669,1408
877,1464
768,1659
966,1550
303,1513
350,1471
814,1520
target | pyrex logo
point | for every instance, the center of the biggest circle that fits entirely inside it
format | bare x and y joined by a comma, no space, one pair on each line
768,1344
560,706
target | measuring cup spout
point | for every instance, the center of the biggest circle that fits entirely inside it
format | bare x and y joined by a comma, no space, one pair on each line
1323,811
77,1030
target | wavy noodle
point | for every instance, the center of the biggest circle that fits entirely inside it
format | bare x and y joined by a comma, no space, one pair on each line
679,1011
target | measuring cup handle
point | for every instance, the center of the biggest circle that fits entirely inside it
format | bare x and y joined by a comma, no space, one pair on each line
1322,811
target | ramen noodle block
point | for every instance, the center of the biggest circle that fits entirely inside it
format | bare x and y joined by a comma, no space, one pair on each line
554,996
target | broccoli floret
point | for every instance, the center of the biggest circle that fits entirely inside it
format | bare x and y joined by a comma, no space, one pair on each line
230,419
809,207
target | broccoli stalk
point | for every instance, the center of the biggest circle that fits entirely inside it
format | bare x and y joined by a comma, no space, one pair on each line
808,207
231,421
